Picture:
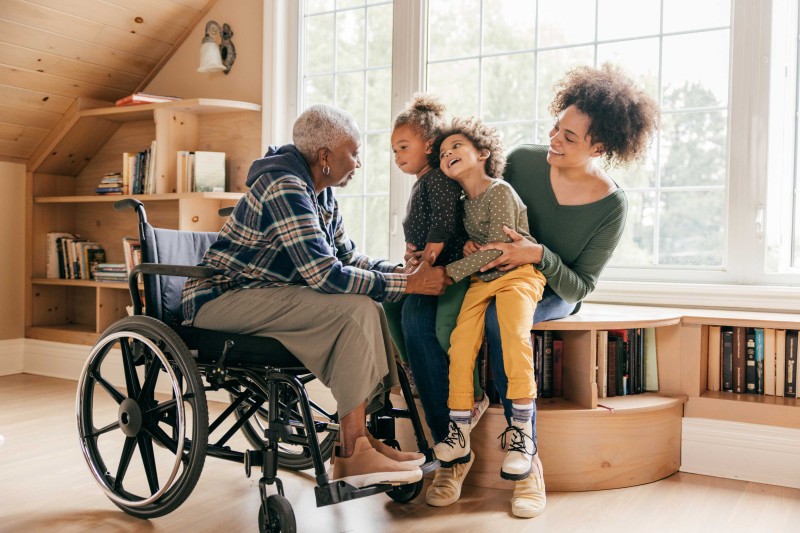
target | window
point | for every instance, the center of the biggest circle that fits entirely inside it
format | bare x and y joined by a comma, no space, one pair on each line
715,199
347,62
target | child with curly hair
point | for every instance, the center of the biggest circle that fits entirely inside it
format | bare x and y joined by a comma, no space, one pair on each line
471,154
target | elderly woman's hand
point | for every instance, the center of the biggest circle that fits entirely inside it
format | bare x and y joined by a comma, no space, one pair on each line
520,251
427,279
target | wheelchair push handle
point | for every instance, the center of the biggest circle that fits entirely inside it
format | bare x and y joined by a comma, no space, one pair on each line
132,203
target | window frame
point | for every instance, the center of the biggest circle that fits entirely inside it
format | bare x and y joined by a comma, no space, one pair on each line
741,282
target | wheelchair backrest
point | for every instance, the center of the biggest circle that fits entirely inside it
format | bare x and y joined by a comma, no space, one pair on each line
162,294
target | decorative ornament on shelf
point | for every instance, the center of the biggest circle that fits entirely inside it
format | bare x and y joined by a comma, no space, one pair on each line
215,57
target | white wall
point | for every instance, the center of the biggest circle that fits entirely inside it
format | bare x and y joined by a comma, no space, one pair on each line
179,76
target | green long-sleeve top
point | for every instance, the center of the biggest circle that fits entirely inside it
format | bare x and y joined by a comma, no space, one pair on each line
578,240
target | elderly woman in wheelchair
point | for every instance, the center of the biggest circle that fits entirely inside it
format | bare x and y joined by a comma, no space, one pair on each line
280,297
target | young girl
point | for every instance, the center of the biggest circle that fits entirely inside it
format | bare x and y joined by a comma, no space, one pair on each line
433,227
471,155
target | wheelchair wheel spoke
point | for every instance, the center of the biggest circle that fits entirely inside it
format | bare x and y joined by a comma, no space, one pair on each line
105,429
109,388
149,461
149,386
124,460
161,436
162,407
131,377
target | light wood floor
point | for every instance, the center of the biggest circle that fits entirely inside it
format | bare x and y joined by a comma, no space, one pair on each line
45,485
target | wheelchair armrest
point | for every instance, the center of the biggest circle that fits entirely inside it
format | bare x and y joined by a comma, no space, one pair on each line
162,270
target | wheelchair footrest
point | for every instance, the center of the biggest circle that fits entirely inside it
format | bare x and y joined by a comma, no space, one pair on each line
430,465
341,491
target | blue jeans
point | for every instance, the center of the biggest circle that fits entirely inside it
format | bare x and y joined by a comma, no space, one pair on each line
429,361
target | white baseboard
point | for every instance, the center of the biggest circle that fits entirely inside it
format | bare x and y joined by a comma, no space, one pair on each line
12,356
735,450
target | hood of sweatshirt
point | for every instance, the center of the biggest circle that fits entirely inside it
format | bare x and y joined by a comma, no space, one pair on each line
287,160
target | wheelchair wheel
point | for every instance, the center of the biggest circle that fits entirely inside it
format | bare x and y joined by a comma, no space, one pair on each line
162,403
405,493
290,456
278,516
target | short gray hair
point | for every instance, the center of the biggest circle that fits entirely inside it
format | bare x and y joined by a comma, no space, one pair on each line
323,126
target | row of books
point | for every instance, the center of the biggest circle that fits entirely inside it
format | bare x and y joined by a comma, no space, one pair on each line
753,361
138,171
69,256
200,171
627,362
111,183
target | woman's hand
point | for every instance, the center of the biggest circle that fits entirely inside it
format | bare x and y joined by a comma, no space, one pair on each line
520,251
470,247
412,258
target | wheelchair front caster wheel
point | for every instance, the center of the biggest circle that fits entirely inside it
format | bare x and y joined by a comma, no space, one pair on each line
405,493
276,516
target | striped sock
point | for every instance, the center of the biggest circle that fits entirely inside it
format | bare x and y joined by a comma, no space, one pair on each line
519,412
460,417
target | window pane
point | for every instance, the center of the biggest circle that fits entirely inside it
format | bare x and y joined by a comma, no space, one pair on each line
352,208
317,6
377,244
706,73
691,228
508,25
509,87
350,95
344,4
318,90
636,246
515,134
552,66
638,58
453,28
703,14
376,159
614,18
566,22
693,148
638,173
379,99
350,40
319,44
457,84
379,35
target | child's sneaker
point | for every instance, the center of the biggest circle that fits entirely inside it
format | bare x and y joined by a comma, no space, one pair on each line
517,464
445,488
480,408
529,497
366,466
454,448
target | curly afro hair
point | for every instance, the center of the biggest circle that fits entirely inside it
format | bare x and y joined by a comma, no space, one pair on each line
481,136
623,116
425,113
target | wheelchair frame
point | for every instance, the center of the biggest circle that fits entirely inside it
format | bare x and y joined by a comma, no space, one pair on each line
253,370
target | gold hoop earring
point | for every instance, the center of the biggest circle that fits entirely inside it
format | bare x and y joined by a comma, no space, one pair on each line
326,170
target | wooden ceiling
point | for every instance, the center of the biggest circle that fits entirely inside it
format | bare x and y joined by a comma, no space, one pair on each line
55,51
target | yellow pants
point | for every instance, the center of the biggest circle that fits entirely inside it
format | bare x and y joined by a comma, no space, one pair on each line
516,294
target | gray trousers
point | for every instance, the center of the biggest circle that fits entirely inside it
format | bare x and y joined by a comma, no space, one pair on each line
343,339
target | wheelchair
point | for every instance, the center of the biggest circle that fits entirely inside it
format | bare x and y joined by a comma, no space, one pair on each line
146,442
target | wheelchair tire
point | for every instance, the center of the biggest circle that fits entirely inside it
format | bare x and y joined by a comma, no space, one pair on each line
278,516
113,422
405,493
290,457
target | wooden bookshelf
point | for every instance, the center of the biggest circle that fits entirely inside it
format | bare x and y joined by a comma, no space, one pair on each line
65,171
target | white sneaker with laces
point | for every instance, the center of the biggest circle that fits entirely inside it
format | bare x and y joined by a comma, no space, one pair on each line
446,486
454,448
517,464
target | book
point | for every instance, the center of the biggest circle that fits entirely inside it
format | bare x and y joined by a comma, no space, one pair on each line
650,361
790,390
727,359
209,171
547,364
714,357
611,372
144,98
739,382
132,253
750,361
558,367
758,334
94,257
780,361
769,362
52,253
602,364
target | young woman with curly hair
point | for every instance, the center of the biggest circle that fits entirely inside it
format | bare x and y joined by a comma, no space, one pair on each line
576,215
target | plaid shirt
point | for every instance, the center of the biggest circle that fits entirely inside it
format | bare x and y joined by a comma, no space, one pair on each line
281,233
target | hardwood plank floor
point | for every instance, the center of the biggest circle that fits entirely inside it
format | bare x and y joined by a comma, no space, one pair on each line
45,485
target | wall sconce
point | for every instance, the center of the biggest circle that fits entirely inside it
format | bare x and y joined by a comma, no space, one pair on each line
215,57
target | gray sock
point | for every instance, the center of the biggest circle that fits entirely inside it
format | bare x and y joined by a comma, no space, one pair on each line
520,413
460,417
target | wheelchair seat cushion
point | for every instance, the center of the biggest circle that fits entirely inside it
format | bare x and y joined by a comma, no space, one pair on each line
246,350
